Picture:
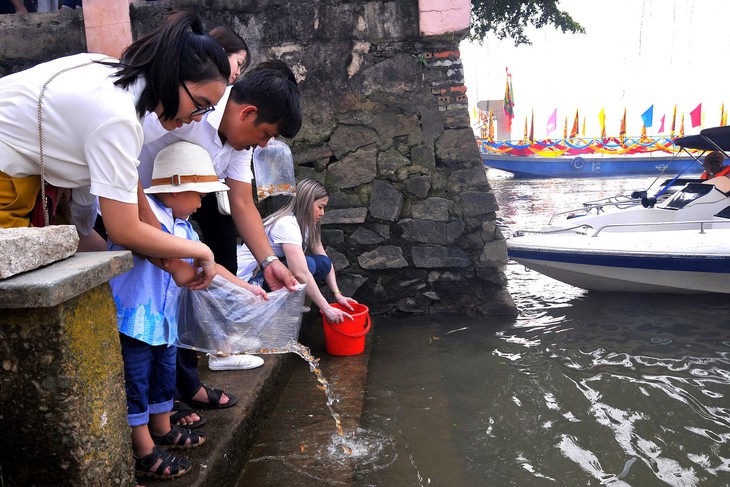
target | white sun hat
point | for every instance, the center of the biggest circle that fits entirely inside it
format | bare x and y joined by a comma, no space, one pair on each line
183,166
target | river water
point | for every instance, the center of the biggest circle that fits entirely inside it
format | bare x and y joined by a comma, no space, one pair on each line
580,389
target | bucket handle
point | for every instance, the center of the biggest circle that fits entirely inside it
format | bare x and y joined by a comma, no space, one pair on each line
352,335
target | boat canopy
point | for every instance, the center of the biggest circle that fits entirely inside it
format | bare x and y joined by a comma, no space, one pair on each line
714,138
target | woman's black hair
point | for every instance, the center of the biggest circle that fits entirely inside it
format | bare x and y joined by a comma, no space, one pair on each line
231,43
178,50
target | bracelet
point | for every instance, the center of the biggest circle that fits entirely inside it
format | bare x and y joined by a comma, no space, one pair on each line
206,263
336,292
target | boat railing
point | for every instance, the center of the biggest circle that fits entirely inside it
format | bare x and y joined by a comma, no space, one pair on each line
700,223
619,201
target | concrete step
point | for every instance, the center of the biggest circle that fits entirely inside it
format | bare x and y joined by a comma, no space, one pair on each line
233,432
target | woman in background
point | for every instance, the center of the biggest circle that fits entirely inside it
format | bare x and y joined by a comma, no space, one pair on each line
293,230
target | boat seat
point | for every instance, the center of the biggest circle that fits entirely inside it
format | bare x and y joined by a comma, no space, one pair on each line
721,182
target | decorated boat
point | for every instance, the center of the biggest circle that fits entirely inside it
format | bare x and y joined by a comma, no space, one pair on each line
678,245
582,158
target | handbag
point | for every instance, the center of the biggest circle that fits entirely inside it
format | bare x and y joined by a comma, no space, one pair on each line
224,205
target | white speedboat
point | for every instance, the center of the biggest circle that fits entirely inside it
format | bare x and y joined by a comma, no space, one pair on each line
681,245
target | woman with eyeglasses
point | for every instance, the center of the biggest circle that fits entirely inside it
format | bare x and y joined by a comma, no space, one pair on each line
76,121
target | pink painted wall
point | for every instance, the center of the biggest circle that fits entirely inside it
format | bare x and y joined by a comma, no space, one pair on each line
108,29
443,16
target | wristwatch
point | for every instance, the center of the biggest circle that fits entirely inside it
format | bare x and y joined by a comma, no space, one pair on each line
268,261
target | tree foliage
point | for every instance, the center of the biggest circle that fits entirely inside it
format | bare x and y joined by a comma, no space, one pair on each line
507,19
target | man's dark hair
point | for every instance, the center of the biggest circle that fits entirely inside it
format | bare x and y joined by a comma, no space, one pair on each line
272,88
176,51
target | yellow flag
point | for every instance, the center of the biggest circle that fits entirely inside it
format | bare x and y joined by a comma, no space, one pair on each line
602,121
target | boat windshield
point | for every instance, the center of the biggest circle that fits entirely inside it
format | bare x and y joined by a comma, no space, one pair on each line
689,193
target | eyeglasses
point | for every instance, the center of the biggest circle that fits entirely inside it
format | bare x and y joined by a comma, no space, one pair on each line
198,109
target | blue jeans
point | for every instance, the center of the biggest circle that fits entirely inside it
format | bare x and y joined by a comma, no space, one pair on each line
149,378
319,266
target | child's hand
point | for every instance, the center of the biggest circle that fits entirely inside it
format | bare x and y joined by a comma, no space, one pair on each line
182,273
257,290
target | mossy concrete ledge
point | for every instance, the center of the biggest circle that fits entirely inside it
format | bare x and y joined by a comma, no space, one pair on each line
62,405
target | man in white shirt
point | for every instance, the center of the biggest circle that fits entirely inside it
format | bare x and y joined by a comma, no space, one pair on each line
261,106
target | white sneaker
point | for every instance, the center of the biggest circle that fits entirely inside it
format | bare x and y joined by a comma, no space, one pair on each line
234,362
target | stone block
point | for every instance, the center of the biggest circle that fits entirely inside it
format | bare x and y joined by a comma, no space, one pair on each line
339,260
62,397
330,236
451,149
434,257
348,138
477,203
385,257
363,236
423,156
356,168
390,162
63,280
347,215
428,231
25,249
386,201
436,209
418,186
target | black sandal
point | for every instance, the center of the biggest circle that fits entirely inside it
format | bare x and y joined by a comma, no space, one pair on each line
182,410
177,438
178,466
214,399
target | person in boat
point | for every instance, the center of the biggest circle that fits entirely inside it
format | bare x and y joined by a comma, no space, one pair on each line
714,167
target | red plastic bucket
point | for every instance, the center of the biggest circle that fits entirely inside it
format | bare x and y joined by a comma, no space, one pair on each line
347,338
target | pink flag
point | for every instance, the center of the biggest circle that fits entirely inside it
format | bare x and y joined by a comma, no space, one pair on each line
661,127
696,115
552,122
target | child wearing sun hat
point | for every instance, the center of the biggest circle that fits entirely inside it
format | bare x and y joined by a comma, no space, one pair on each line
146,298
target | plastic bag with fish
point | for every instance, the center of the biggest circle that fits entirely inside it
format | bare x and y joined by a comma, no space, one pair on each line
227,319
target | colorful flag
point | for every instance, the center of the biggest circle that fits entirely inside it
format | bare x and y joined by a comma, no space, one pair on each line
696,116
661,127
681,127
648,116
532,127
674,119
602,121
525,136
552,123
574,129
722,114
490,130
509,103
622,129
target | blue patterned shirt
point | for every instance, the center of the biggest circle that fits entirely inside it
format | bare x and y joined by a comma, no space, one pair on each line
146,296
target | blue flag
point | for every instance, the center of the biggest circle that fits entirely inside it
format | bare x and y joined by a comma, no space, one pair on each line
648,116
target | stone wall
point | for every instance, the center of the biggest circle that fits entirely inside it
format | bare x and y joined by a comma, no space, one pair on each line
411,220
